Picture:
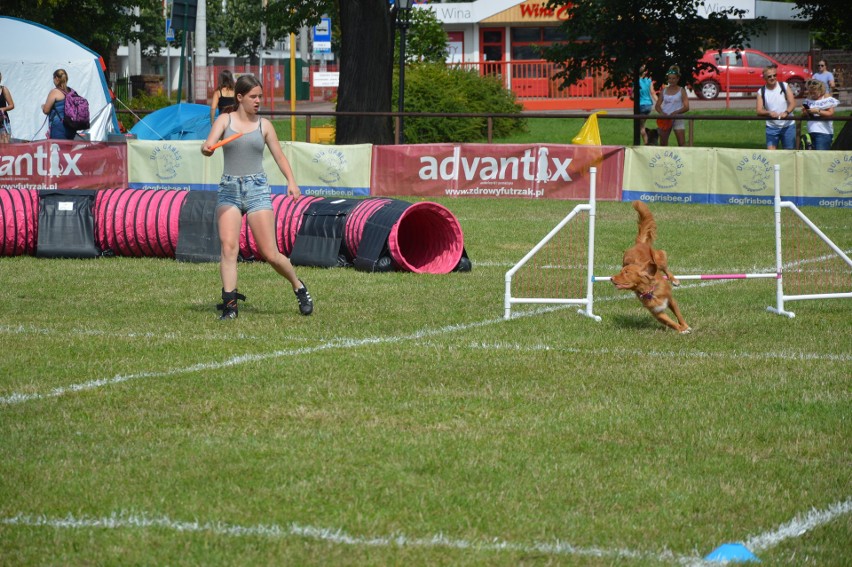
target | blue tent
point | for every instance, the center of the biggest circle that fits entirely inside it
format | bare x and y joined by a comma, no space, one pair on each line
184,121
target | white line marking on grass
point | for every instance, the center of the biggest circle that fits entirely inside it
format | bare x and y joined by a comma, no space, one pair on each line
331,535
798,526
17,398
538,347
31,330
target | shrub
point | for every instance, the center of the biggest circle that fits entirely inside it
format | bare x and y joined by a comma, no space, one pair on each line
436,87
143,102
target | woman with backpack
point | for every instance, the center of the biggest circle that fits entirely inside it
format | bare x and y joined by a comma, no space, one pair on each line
6,104
54,107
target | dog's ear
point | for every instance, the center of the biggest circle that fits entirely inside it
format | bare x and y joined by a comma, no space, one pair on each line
649,268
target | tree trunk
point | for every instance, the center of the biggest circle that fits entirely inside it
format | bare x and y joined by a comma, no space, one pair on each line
366,71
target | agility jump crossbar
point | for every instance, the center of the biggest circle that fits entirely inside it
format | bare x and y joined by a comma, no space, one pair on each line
587,301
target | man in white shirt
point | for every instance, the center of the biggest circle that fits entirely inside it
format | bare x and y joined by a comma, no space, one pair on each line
775,100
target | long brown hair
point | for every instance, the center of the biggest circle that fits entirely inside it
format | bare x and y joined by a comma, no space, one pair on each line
63,79
244,84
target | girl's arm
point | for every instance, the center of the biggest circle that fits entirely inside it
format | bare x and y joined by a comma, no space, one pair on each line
216,132
684,100
10,103
274,146
52,97
213,104
658,106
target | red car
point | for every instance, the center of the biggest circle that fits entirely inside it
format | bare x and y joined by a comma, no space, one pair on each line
741,71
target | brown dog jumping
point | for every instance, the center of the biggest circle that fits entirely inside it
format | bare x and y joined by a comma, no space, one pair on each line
643,272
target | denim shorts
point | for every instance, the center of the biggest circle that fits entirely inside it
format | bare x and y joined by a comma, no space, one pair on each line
248,193
785,135
645,108
821,141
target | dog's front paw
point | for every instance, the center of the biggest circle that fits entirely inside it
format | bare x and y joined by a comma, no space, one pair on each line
675,282
686,331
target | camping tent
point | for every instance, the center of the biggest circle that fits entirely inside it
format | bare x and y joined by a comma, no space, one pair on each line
184,121
29,54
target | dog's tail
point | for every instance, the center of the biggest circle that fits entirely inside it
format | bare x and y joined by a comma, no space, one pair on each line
647,224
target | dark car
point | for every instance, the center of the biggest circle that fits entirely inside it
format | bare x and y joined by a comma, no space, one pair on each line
741,71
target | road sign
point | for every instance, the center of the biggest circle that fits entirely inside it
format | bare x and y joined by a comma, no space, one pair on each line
170,32
322,36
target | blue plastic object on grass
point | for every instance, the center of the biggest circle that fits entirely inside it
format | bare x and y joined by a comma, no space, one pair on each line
732,553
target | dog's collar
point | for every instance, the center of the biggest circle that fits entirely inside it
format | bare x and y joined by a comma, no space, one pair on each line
647,295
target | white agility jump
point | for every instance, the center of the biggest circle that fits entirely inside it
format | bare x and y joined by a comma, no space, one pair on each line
588,299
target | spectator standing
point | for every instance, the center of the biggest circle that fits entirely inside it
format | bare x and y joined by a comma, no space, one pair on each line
7,103
647,100
244,190
818,106
672,101
223,96
826,76
54,107
775,101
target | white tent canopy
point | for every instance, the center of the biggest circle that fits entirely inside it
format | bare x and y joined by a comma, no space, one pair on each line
29,54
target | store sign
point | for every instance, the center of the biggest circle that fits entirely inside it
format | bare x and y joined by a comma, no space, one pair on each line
540,11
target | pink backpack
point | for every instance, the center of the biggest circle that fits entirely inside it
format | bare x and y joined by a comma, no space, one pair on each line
76,111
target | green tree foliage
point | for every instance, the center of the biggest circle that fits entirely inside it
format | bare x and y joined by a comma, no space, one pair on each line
830,21
617,37
236,24
436,87
425,40
100,25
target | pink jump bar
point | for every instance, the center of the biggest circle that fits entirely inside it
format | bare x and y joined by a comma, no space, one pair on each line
729,276
710,277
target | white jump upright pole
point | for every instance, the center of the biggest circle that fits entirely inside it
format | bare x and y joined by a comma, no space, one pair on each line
590,275
779,268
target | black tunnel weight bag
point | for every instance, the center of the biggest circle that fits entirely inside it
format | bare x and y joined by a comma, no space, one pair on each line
66,225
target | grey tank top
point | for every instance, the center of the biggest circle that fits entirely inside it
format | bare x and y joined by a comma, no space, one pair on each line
244,156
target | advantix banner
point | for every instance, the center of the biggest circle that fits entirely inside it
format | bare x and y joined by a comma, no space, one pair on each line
63,164
537,171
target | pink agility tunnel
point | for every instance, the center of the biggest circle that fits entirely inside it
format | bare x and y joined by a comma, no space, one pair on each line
18,222
375,234
138,222
426,238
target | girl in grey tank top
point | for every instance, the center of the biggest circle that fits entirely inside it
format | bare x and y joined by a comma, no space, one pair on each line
244,190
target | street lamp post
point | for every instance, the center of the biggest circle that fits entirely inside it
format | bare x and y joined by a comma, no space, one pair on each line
402,21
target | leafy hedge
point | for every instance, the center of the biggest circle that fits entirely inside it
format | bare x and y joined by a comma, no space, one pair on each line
436,87
141,101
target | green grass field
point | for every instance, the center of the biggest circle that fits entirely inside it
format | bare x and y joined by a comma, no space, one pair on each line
406,423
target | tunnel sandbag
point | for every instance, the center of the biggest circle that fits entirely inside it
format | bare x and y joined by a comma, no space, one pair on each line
287,213
373,254
198,236
319,241
66,225
18,222
138,222
355,223
427,238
